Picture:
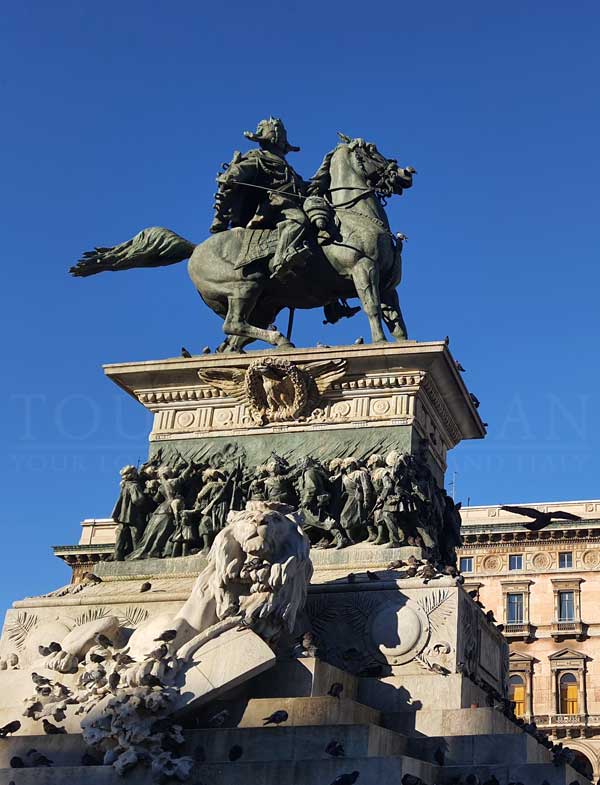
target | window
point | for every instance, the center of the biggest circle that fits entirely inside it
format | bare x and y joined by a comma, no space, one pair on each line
466,564
514,608
566,606
515,562
569,694
516,694
565,560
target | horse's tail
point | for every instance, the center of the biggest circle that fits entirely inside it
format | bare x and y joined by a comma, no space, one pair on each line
152,247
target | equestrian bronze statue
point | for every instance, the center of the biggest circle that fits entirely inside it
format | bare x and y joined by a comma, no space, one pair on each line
280,242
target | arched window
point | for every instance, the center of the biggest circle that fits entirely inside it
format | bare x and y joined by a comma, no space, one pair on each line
569,694
516,693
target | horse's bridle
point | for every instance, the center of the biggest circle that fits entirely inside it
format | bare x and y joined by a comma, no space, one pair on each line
381,193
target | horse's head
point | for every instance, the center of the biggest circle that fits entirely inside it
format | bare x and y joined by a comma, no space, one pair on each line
381,173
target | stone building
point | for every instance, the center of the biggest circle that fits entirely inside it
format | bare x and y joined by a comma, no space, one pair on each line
542,583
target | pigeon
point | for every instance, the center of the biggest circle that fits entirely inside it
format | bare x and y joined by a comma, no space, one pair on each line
9,729
89,577
360,340
346,779
44,651
61,691
323,345
276,718
490,616
474,400
113,680
32,710
159,653
351,577
372,577
89,760
218,720
55,647
206,350
51,729
150,680
102,640
459,367
395,565
540,519
124,659
167,636
96,658
335,749
336,689
185,353
145,587
41,681
36,758
235,753
17,763
59,714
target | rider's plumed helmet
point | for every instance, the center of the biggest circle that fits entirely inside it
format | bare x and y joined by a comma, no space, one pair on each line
273,131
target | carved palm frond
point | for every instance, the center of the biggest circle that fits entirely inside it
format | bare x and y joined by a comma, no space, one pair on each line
18,629
132,616
434,606
92,614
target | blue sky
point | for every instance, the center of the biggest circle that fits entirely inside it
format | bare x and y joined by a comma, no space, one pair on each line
117,116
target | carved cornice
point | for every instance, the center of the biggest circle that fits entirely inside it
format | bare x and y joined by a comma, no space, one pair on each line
395,384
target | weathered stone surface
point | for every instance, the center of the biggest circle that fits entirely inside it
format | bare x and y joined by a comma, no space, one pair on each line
222,664
310,711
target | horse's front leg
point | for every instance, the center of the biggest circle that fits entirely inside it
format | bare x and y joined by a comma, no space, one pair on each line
392,315
240,307
366,283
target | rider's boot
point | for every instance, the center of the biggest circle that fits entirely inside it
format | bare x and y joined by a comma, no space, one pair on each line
289,261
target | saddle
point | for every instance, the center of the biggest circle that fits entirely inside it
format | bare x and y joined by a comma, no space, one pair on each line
257,244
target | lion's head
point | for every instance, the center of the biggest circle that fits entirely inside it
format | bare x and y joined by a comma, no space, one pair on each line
258,566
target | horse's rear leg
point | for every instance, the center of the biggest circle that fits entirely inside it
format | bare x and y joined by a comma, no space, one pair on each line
392,315
236,322
366,283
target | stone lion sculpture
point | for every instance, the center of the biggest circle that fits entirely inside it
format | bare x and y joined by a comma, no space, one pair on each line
257,574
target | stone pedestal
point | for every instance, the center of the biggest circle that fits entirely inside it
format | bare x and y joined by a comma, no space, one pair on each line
419,664
324,402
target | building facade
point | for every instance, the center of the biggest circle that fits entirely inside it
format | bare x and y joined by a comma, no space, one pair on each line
542,582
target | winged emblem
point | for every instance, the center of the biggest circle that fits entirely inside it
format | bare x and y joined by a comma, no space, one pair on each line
275,389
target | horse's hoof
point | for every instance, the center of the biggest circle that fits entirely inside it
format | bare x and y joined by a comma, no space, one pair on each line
285,344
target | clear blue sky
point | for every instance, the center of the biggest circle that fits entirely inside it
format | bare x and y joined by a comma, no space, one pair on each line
117,115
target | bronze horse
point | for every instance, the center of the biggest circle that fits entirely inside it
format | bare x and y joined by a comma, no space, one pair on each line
363,261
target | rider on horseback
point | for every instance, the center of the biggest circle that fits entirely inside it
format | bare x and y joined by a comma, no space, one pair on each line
260,190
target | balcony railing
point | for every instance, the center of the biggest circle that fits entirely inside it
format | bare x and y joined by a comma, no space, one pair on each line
567,720
518,630
566,629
